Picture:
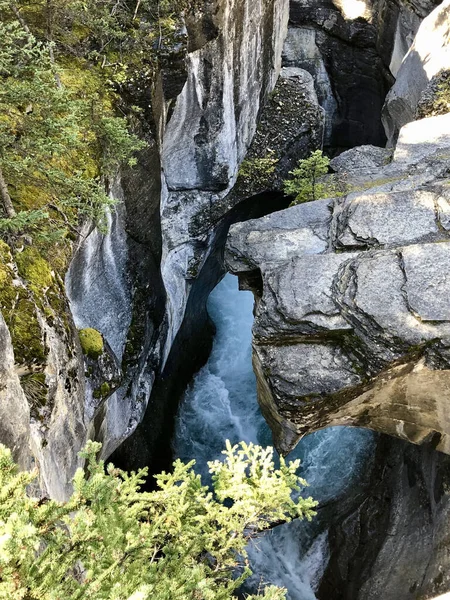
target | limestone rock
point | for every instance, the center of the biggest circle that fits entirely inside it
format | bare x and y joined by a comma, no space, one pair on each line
352,314
361,159
429,54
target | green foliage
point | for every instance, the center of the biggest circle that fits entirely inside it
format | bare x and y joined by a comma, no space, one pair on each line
61,145
111,541
102,391
91,342
305,184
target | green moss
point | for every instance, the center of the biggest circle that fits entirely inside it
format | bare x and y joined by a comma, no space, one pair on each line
374,183
8,292
26,333
102,391
19,312
91,342
258,170
35,270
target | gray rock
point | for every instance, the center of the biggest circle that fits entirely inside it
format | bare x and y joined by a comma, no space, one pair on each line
221,97
421,139
299,372
301,229
14,408
427,273
429,54
297,298
364,159
352,313
389,218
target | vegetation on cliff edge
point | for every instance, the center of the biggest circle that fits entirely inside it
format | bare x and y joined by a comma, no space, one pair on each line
111,541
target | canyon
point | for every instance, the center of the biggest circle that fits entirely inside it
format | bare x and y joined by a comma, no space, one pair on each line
351,293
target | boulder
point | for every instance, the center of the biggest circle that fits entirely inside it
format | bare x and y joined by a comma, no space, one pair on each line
352,313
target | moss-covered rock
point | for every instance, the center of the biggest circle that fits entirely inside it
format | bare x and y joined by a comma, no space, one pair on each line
91,342
26,333
19,312
102,391
435,99
7,290
34,269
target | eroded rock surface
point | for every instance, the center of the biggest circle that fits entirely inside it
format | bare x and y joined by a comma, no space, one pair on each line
428,55
352,317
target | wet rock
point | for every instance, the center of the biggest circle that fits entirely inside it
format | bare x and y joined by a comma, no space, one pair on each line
390,542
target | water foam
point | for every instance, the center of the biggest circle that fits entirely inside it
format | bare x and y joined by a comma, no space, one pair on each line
221,404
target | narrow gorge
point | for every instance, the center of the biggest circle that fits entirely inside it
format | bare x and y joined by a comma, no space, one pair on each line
208,307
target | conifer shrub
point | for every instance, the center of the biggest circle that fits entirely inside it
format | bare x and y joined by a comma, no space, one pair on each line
305,183
111,541
308,182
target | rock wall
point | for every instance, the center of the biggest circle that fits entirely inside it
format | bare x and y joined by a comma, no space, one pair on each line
42,392
135,283
389,540
428,55
353,50
352,316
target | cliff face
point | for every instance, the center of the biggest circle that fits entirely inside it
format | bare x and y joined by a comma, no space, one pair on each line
144,285
351,323
135,283
389,541
353,50
427,57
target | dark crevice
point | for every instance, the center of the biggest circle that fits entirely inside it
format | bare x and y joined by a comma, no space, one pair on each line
150,444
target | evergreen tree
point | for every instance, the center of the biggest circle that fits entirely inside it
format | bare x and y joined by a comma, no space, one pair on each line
111,541
305,184
56,149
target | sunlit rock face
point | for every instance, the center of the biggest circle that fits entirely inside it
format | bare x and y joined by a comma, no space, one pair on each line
209,131
352,321
353,48
429,54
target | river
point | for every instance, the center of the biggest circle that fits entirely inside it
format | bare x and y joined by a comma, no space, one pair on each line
221,404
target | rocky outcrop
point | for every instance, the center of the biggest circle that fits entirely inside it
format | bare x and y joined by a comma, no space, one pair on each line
352,317
428,55
291,126
390,540
353,50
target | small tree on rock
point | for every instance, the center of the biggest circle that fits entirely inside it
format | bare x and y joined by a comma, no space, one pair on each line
305,184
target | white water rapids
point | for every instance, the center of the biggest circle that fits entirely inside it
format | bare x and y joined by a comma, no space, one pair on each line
221,404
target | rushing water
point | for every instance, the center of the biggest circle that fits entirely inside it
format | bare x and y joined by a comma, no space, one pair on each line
221,404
